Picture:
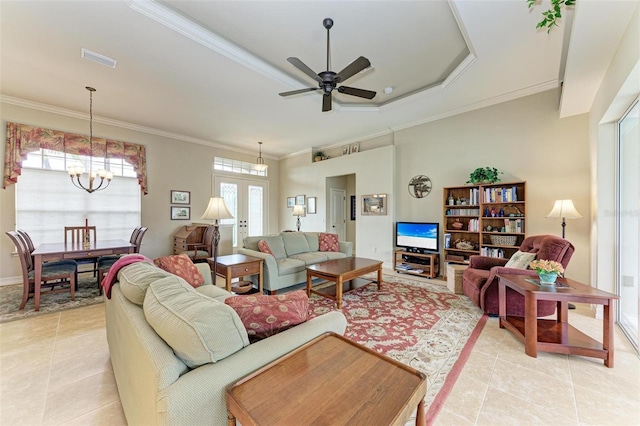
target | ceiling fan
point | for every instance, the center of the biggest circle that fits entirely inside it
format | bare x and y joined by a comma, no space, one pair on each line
328,80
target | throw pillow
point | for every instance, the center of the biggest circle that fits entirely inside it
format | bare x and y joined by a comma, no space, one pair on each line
182,266
264,247
200,330
266,315
328,242
136,278
520,260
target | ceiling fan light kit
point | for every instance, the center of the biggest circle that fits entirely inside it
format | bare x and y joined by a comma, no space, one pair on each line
328,80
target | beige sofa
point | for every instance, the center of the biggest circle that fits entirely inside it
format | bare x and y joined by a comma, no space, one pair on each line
292,253
156,386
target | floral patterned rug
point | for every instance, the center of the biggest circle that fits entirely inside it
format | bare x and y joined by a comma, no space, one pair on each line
418,323
11,296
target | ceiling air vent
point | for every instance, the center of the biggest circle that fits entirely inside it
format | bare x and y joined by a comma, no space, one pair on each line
98,58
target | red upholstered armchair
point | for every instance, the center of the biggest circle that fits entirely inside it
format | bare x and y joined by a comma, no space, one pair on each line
480,283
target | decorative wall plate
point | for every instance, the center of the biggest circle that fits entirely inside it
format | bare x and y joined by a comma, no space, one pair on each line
420,186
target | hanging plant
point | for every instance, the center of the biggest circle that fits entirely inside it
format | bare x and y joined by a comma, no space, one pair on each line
484,175
551,16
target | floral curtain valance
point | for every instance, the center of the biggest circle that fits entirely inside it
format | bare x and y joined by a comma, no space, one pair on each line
23,139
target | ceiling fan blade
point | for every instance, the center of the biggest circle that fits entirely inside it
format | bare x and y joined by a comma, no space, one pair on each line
305,69
353,68
361,93
326,102
295,92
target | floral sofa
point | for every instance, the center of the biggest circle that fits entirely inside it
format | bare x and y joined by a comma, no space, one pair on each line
175,348
289,253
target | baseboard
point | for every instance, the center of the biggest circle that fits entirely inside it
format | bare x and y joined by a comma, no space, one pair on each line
10,280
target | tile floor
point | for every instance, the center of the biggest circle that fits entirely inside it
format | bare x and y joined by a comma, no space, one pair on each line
55,370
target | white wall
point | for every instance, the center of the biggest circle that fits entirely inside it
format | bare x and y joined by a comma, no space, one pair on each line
620,86
375,174
171,164
523,138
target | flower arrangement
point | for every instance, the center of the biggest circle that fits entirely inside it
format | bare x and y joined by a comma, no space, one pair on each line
547,267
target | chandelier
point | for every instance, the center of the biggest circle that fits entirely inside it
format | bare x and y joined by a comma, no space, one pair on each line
260,165
75,172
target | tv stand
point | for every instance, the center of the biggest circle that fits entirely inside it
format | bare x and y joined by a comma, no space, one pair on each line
421,264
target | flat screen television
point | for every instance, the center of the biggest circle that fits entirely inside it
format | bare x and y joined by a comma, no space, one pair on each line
418,237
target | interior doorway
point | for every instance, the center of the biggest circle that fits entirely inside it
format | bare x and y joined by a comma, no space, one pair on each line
339,193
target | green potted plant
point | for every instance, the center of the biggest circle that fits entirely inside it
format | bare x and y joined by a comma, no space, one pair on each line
484,175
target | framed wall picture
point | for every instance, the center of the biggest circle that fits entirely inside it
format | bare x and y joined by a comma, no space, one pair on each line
374,204
355,147
291,201
180,197
311,205
300,200
180,213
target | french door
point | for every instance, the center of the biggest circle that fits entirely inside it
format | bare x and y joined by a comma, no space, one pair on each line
628,225
247,200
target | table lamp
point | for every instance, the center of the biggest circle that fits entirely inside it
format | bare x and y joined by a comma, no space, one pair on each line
216,210
298,210
566,210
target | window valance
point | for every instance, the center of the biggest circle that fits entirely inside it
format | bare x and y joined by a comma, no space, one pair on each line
22,139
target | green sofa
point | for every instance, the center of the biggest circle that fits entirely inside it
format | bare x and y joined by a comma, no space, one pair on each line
155,385
292,253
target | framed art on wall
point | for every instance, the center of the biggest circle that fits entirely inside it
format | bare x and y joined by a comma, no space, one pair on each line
180,213
291,201
311,205
353,207
374,204
180,197
300,200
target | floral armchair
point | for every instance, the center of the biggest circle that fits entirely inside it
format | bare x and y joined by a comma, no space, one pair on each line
480,283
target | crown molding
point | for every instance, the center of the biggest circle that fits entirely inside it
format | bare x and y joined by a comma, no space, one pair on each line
125,125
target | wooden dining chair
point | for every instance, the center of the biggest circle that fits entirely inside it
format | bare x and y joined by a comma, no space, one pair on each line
105,262
31,247
61,274
200,252
75,234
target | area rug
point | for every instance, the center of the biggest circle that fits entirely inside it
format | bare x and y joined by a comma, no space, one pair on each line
418,323
11,296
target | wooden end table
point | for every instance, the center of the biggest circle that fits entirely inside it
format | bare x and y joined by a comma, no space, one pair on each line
339,271
556,335
238,266
330,380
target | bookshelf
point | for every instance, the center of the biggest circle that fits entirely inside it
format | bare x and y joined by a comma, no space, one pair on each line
500,206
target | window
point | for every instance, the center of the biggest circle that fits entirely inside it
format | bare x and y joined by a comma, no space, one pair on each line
46,200
235,166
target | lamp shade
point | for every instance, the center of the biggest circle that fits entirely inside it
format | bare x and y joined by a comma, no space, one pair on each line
216,210
298,210
564,209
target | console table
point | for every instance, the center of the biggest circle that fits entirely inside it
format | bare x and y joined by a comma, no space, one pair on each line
557,335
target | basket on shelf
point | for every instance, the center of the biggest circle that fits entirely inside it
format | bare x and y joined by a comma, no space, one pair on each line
503,240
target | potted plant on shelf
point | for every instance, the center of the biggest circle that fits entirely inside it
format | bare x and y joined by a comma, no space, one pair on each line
484,175
547,270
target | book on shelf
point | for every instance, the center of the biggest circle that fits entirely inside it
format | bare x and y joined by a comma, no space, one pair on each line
514,225
500,195
447,240
492,252
463,212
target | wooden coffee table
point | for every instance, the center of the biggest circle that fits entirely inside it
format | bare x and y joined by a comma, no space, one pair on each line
340,271
330,380
549,335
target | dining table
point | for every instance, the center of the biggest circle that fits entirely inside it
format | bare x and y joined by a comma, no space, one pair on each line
47,252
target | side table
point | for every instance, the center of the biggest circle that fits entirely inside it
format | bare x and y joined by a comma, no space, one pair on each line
556,335
237,266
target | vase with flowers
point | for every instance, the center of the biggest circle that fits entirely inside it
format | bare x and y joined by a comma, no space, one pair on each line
547,270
